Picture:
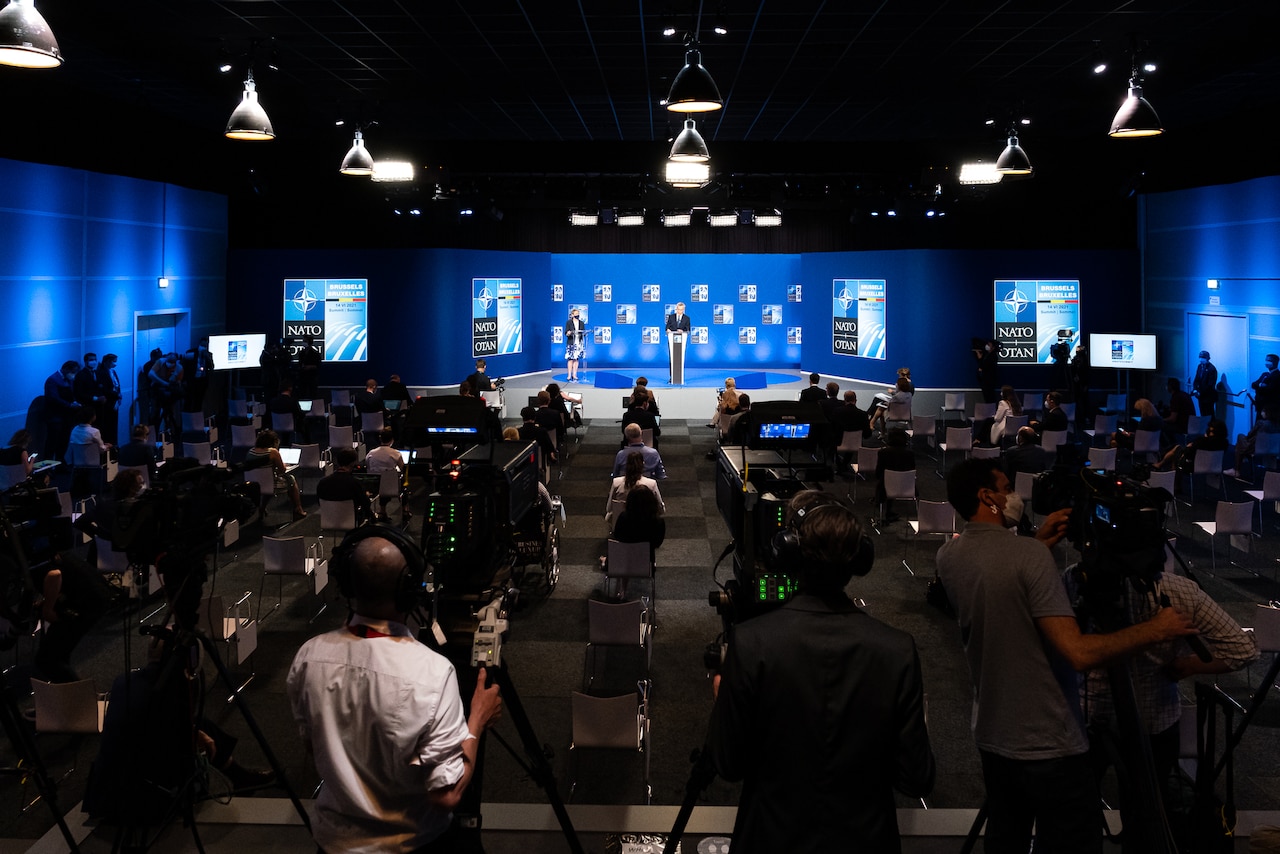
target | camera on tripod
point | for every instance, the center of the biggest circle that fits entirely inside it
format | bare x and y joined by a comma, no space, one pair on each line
1060,351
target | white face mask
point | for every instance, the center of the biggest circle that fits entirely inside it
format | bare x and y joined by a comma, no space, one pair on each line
1013,508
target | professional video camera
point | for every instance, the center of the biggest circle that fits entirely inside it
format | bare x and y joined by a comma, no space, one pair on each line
1060,351
754,483
181,511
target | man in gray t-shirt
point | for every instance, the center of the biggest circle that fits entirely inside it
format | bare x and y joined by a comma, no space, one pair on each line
1024,649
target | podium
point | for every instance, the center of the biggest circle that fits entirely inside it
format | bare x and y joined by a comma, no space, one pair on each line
675,345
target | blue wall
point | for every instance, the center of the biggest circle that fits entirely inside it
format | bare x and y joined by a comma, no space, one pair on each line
80,253
420,314
1230,233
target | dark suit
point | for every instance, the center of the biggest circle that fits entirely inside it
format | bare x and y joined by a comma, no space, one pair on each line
848,417
644,418
109,413
1029,458
1205,387
813,394
1054,419
679,323
552,421
343,486
531,432
846,693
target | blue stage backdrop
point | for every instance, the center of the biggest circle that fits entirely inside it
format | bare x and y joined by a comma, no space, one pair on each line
747,311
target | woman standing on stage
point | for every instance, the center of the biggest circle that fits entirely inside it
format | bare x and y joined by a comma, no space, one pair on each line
574,350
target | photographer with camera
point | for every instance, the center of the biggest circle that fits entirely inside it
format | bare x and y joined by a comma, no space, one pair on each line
1022,642
382,713
845,688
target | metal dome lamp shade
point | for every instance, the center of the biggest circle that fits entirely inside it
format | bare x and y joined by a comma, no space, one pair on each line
689,145
1136,116
25,39
249,120
693,90
358,160
1013,160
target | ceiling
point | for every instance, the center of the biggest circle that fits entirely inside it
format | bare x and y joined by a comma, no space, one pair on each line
551,103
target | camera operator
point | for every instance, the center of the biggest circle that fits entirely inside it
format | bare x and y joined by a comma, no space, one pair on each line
382,713
1022,642
1157,669
846,690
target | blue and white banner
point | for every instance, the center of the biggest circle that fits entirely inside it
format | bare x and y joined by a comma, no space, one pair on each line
496,317
1034,315
858,317
335,312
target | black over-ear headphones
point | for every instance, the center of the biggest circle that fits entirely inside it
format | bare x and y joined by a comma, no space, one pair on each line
409,586
786,543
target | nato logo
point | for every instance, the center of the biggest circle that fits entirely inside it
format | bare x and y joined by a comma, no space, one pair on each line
485,298
723,314
603,293
794,293
698,293
793,335
651,293
1013,304
557,293
303,303
746,293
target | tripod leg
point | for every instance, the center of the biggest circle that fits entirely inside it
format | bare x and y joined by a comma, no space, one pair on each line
975,829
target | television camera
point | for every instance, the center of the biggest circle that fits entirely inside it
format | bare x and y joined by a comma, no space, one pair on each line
1060,350
754,483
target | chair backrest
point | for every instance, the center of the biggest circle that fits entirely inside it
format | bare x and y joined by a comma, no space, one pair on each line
17,473
201,452
241,408
1234,517
1104,424
372,422
66,706
1147,442
937,517
1117,403
900,484
867,459
243,435
1166,480
1069,410
212,618
646,436
389,484
86,455
851,441
611,722
284,555
318,408
340,397
143,470
615,623
1051,439
981,452
308,456
1266,628
898,411
1208,462
110,560
264,477
1023,482
924,425
1196,424
985,410
339,515
341,437
959,438
628,560
1014,423
193,421
1271,486
1102,459
491,398
1266,444
953,401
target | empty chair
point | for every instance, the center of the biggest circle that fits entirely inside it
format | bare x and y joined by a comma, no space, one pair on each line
201,452
1051,439
1166,480
16,474
611,723
340,397
265,478
1103,426
341,437
925,426
1102,459
1069,410
617,624
232,625
283,556
865,467
242,438
198,423
1231,519
319,409
1269,494
898,486
1023,484
1117,404
312,466
1196,425
341,515
371,423
1266,446
625,561
958,439
1207,464
934,517
74,708
850,445
953,402
982,452
391,485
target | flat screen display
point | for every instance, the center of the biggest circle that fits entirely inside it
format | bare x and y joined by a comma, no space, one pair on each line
454,430
1122,350
784,431
236,351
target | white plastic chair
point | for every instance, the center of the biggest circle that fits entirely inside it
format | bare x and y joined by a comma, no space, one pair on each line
925,427
983,411
864,468
1168,481
1146,443
265,478
958,439
1209,465
1051,439
1270,492
898,486
935,518
338,515
1231,519
1196,425
283,556
952,402
611,723
1102,459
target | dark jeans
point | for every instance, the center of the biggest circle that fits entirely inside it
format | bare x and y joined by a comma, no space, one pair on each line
1060,796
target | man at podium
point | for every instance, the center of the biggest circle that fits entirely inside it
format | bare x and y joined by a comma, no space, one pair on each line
677,323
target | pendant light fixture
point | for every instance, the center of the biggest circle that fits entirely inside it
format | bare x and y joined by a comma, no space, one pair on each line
25,39
358,160
249,120
689,145
1013,160
693,90
1136,116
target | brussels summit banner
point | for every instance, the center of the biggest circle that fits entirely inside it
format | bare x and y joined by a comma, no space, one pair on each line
496,316
1032,316
857,317
335,312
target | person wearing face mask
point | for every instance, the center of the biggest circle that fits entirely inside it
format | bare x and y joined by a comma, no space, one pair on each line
197,365
1025,651
60,408
1204,385
988,356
